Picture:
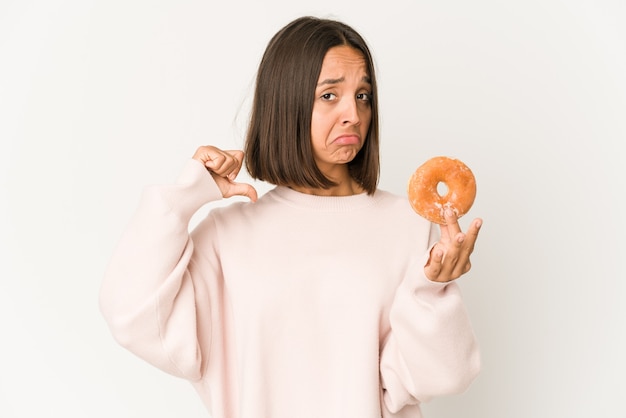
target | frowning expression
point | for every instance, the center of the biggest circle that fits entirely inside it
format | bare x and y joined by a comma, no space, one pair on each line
342,108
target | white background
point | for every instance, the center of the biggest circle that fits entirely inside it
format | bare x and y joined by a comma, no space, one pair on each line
100,98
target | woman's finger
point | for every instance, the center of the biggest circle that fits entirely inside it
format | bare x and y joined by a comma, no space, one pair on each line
237,162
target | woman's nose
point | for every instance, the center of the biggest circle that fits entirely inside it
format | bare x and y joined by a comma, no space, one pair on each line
350,112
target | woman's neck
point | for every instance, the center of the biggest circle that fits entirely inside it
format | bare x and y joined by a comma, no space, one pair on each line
345,185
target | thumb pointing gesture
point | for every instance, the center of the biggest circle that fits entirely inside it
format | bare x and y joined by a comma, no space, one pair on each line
224,166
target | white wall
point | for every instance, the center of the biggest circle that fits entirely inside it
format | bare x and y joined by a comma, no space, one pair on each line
99,98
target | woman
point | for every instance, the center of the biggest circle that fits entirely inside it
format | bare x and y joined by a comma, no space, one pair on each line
326,297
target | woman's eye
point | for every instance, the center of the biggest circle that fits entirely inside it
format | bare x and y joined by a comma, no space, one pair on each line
328,96
366,97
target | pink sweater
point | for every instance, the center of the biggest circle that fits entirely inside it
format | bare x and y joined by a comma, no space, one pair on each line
296,306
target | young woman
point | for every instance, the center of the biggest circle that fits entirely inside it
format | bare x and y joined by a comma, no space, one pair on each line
325,297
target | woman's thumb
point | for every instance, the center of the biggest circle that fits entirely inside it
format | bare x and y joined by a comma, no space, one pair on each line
243,189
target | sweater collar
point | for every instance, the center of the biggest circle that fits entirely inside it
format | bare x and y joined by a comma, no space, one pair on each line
323,203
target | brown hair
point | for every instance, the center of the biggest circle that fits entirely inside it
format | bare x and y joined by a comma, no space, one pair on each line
278,144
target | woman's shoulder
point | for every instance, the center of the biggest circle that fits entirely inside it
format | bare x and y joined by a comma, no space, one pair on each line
392,200
398,209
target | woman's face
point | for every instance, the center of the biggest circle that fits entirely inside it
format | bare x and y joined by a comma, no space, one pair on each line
342,109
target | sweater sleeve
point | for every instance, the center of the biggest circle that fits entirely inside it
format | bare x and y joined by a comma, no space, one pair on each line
431,349
148,295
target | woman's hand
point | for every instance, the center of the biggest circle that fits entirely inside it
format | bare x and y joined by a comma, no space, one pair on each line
224,166
450,257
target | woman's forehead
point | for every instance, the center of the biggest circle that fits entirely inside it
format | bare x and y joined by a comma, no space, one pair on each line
342,61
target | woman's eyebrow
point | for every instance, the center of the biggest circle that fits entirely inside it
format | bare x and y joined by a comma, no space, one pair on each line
332,81
365,79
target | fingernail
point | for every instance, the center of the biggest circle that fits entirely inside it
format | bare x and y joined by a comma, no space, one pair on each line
479,224
448,212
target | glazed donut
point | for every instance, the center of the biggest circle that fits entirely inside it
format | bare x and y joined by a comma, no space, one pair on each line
425,188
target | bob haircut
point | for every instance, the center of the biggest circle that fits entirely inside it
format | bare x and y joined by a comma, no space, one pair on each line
278,145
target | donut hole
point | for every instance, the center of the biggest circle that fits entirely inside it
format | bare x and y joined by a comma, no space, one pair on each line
442,189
